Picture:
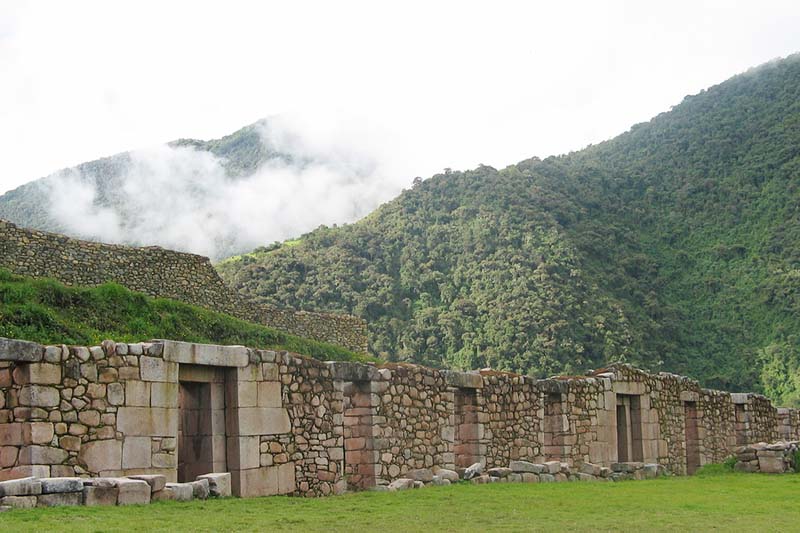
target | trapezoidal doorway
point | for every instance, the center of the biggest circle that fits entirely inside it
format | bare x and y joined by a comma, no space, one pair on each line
201,425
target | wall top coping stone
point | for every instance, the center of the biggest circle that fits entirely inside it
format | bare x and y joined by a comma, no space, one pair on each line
205,354
22,351
464,380
349,371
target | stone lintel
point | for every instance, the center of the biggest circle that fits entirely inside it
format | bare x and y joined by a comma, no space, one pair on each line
740,397
20,351
349,371
463,380
690,396
205,354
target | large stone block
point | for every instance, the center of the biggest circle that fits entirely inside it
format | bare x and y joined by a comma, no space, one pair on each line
39,396
269,394
157,482
243,452
42,455
12,434
60,499
200,489
464,380
28,486
286,478
525,466
148,421
19,502
52,485
100,495
181,492
205,354
132,492
164,395
255,482
157,369
219,484
137,393
22,351
258,421
101,455
136,452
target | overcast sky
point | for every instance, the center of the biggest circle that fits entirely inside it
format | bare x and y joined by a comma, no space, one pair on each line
435,84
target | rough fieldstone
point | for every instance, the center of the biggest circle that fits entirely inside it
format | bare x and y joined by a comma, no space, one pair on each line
401,484
449,475
499,472
590,469
473,470
525,466
553,467
420,474
547,478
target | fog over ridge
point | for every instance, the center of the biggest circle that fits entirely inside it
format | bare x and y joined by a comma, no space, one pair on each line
184,198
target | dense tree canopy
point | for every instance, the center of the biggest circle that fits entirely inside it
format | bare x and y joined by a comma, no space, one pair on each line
675,246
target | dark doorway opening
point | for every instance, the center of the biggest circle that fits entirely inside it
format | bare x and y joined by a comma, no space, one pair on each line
692,438
553,427
467,448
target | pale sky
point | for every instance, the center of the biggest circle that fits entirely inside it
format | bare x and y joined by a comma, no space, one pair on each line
436,84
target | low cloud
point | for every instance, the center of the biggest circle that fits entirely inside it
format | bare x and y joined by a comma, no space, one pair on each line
183,198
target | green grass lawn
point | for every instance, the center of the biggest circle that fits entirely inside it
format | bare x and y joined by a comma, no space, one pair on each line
732,502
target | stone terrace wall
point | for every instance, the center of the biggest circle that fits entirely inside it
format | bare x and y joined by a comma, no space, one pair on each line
282,423
164,273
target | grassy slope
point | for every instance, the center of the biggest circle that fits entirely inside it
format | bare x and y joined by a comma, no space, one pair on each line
732,502
48,312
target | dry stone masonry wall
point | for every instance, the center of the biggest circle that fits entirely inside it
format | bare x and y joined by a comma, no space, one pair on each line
164,273
282,423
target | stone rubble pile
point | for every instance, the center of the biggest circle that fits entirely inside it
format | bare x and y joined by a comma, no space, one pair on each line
32,492
777,458
526,472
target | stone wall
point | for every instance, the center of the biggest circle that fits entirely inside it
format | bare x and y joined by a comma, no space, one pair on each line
282,423
164,273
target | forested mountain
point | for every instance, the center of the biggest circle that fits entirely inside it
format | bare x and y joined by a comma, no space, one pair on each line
675,246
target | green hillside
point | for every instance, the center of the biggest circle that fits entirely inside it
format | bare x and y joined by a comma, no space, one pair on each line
675,246
47,312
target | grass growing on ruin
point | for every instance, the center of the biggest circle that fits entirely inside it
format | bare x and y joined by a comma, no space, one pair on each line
45,311
728,502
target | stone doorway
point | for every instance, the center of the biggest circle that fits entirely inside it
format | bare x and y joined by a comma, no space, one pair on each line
554,427
692,438
201,424
467,448
629,428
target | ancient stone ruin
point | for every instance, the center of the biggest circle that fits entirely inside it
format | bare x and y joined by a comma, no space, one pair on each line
282,423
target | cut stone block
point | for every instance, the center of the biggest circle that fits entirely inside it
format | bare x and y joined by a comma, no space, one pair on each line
132,492
19,502
553,467
147,421
258,421
499,472
100,495
61,484
182,492
200,489
101,455
23,351
219,485
60,499
401,484
165,494
205,354
136,452
39,396
157,482
28,486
